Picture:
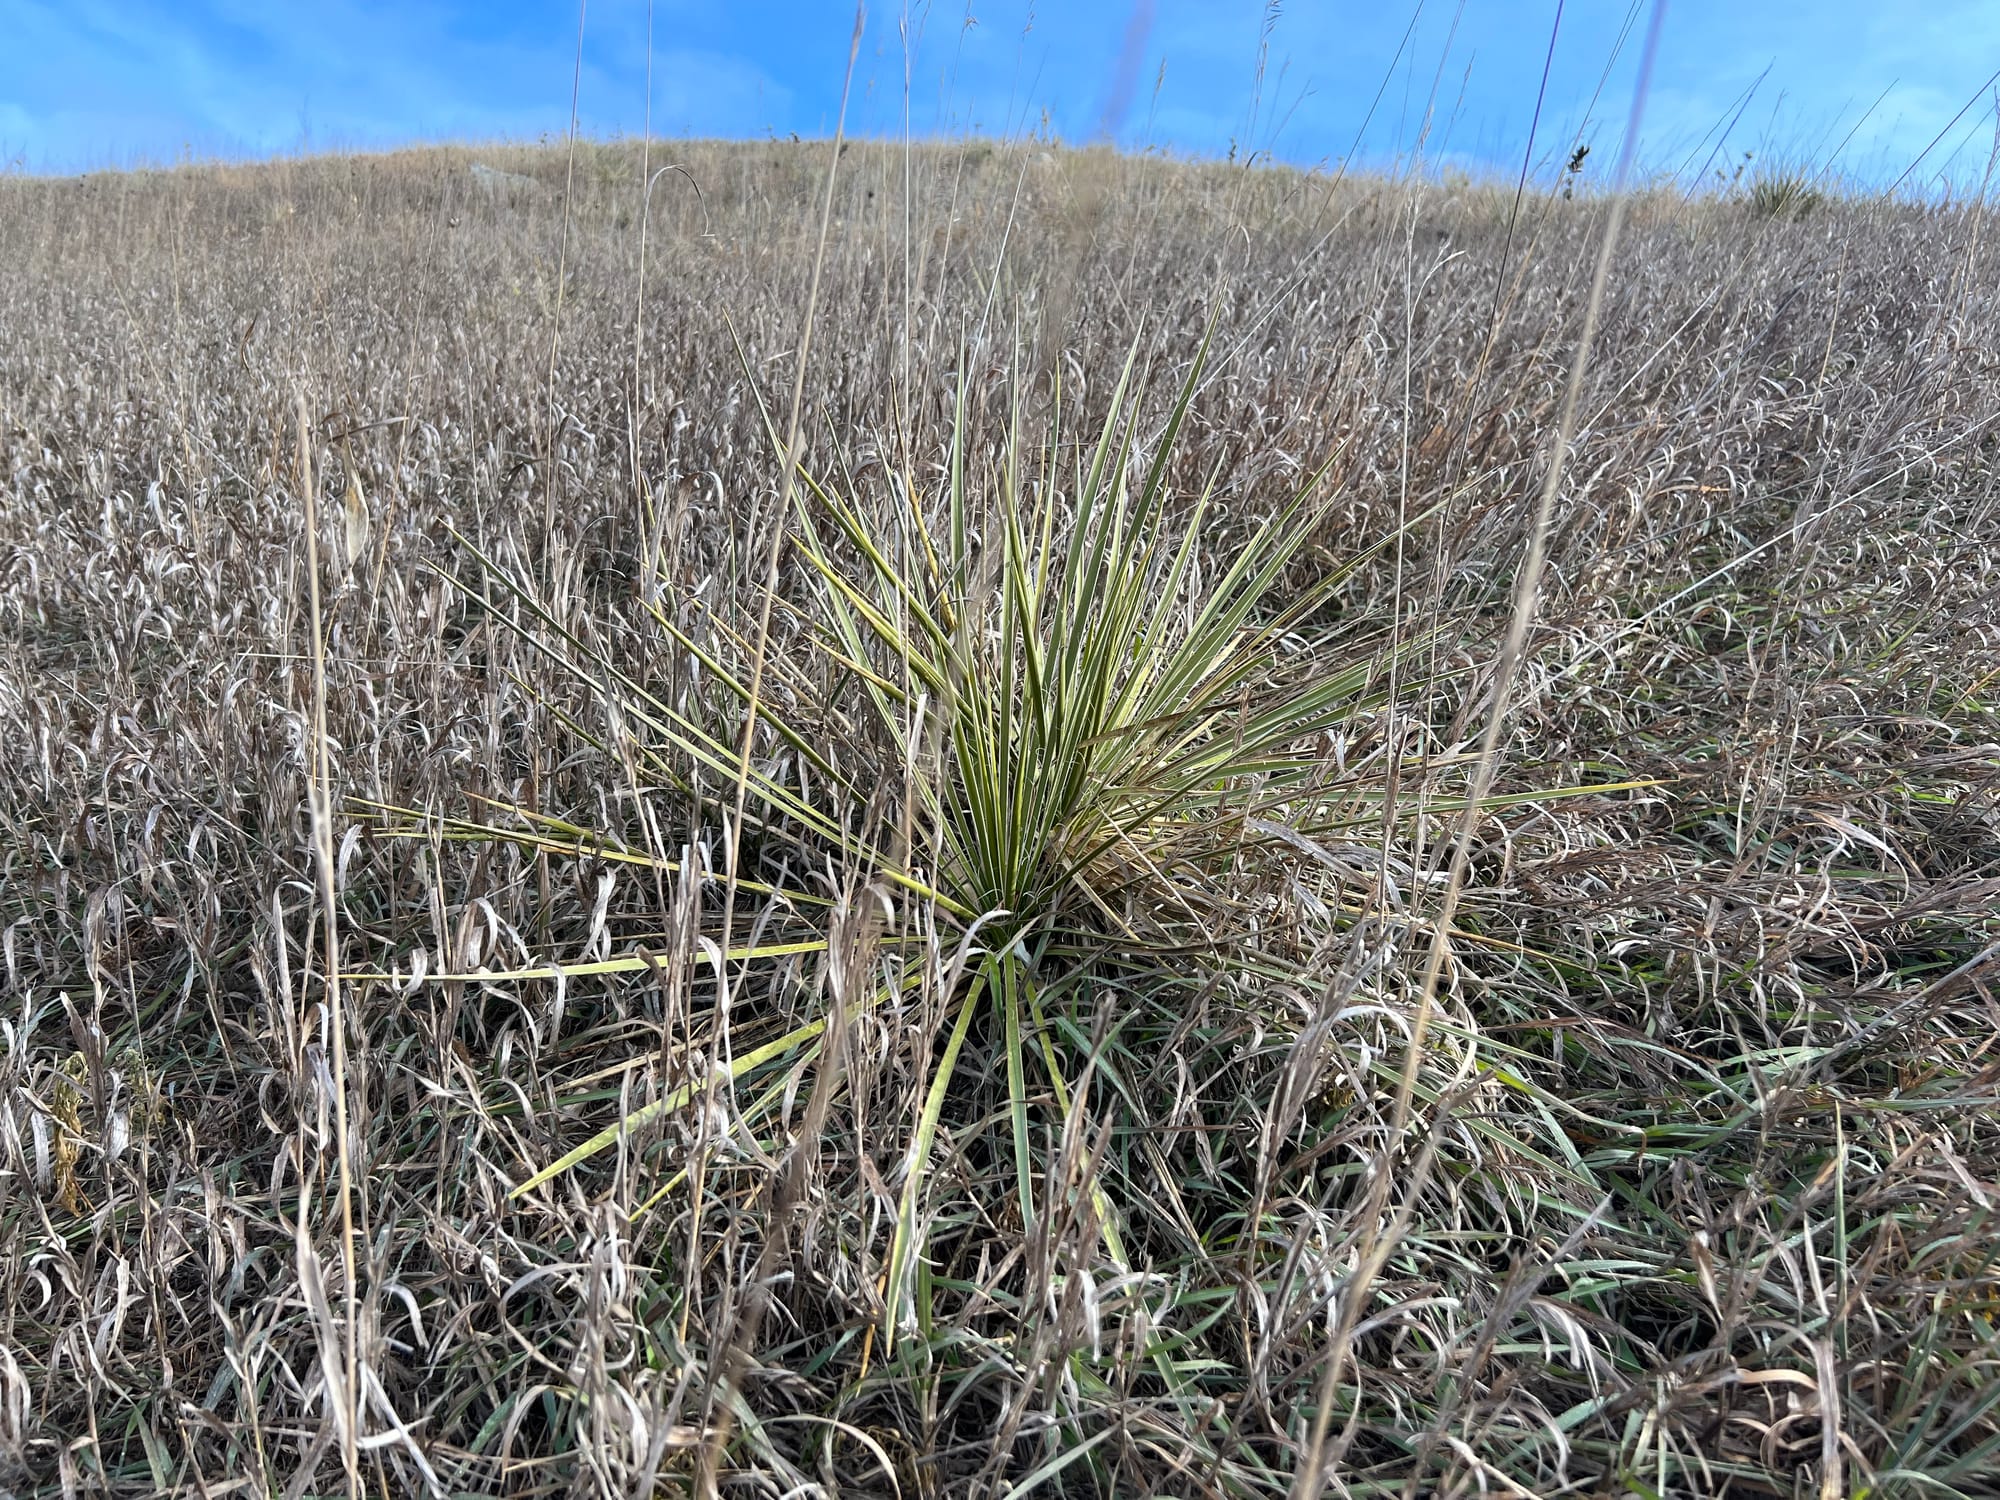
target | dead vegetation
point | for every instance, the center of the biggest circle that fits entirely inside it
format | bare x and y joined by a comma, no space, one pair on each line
1699,1195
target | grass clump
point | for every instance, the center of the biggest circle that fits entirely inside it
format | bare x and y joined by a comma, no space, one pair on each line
1785,195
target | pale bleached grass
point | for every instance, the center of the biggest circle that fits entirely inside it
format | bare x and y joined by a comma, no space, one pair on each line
1708,1095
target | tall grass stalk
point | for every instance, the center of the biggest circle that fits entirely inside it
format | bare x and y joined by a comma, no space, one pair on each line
343,1377
1485,767
739,1350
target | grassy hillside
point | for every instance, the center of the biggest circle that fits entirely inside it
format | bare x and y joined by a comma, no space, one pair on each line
999,964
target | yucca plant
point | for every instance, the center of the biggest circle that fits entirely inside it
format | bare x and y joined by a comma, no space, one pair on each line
1784,195
1093,717
1100,710
1101,703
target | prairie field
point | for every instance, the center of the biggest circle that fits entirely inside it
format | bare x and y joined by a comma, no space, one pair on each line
720,820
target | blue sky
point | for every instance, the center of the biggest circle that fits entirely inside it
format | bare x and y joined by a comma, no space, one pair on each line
92,83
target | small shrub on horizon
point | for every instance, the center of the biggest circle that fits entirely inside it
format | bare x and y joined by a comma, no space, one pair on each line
1784,195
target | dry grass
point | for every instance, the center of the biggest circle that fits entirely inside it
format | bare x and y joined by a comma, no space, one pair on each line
1699,1196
